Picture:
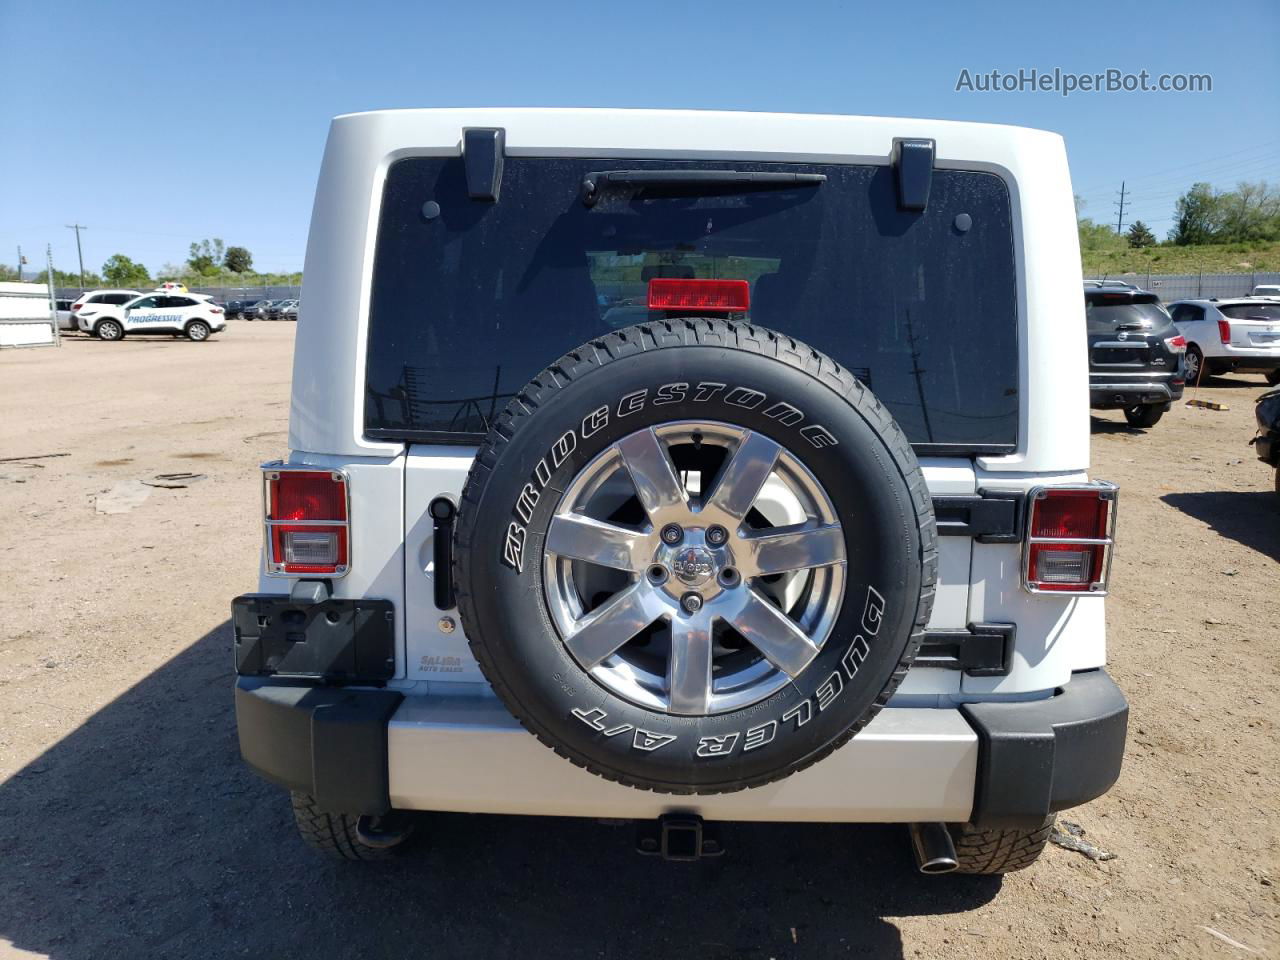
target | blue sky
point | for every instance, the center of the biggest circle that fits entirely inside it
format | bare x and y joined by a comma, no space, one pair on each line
157,124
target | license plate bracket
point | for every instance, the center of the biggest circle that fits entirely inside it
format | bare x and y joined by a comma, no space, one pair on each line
339,641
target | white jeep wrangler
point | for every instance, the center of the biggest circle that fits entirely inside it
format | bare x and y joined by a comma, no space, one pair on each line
686,467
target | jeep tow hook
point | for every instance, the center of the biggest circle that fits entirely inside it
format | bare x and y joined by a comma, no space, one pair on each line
681,837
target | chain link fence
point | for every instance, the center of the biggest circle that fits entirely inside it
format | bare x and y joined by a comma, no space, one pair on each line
1193,286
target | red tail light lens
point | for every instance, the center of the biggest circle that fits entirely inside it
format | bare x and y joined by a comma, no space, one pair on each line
708,296
1177,344
308,527
1224,331
1070,533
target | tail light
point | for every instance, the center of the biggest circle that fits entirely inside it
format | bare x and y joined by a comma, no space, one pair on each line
713,296
1224,331
306,513
216,310
1070,534
76,306
1176,344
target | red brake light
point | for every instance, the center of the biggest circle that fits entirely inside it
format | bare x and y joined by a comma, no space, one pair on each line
307,521
1070,534
714,296
1224,331
76,306
1177,344
216,310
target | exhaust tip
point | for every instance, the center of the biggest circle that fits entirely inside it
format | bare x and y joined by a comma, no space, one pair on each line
934,851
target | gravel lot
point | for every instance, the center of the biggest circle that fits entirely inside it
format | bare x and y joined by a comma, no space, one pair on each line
129,828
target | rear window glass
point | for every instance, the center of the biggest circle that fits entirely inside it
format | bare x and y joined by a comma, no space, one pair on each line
1100,312
1251,311
469,304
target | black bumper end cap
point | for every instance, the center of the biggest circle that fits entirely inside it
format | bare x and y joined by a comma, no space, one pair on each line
327,742
1042,756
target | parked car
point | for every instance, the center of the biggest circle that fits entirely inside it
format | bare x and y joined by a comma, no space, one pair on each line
66,316
239,308
1135,353
1230,335
155,313
1271,290
289,311
100,298
520,563
1267,441
264,310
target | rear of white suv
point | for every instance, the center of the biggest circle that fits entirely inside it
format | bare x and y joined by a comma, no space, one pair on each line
830,493
96,300
1230,335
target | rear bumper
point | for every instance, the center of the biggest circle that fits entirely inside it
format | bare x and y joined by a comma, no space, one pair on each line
996,764
1228,357
1114,395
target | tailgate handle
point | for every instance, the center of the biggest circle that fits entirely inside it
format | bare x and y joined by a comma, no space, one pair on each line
442,513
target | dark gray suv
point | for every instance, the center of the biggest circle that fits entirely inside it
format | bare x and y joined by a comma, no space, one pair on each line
1135,352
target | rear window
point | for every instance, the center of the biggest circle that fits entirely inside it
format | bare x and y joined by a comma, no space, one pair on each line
1251,311
469,304
1111,309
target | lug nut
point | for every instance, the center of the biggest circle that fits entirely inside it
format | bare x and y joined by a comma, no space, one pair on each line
657,574
717,535
672,533
729,577
691,602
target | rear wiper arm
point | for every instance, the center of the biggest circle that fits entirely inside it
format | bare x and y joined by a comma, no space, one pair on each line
594,183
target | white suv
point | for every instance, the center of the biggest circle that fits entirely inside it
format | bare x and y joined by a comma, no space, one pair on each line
192,315
812,542
98,299
1222,335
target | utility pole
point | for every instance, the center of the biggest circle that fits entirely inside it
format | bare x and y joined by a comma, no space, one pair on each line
20,263
77,228
1120,215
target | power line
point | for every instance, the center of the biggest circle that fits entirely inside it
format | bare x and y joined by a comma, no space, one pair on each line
1120,215
1200,163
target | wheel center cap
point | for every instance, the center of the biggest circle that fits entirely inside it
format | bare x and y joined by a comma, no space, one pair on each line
693,565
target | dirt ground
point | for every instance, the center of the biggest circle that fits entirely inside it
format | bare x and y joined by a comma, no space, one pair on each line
129,827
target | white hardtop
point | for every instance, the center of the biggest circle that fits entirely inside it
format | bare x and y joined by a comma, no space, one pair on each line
329,361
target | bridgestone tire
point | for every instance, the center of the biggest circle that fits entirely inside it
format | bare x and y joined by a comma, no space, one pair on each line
704,371
999,851
1145,415
335,834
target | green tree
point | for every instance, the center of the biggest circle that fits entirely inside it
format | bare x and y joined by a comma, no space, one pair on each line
1140,235
1197,218
205,258
238,260
65,278
1250,212
120,271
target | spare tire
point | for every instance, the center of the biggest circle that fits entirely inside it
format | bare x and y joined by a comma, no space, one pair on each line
695,556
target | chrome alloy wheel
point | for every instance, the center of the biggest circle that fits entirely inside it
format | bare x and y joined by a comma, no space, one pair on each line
694,567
